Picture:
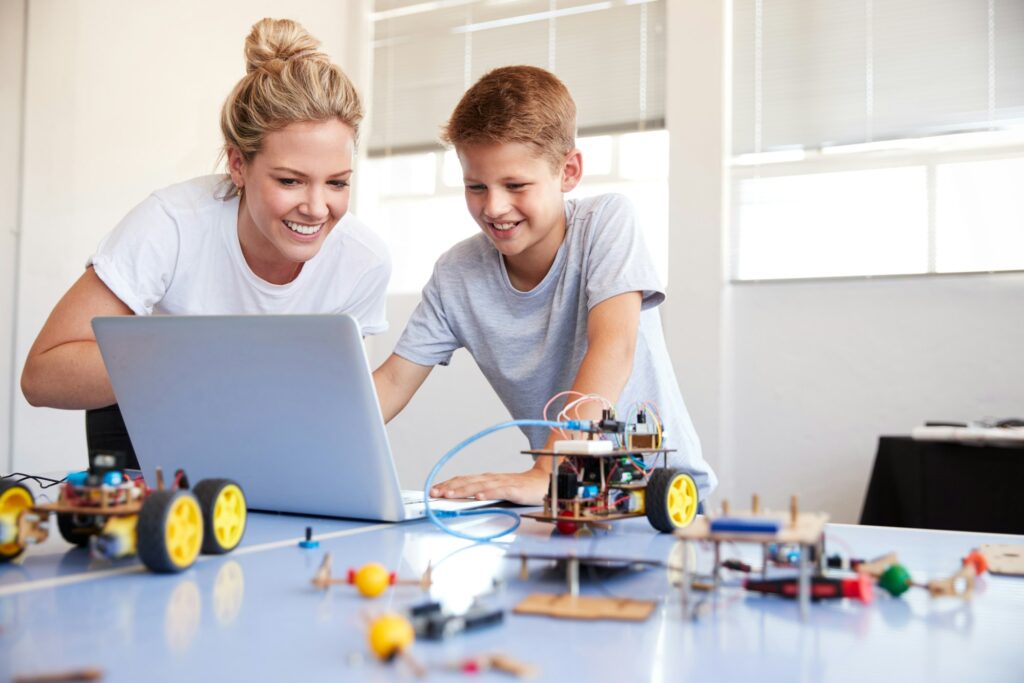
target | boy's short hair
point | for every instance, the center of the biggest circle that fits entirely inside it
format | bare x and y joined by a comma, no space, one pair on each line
523,104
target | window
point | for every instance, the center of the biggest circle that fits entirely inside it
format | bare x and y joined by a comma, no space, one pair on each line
874,138
425,56
415,201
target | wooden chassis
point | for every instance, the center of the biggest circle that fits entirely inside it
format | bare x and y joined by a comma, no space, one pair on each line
806,529
108,511
550,513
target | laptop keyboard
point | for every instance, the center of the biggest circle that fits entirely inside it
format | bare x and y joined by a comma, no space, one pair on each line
409,497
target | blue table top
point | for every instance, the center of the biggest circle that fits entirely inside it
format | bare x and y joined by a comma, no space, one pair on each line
253,615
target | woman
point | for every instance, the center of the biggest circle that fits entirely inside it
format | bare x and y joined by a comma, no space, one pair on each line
272,236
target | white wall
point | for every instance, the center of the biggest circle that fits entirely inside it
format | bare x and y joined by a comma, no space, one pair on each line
791,384
12,19
697,118
821,369
122,98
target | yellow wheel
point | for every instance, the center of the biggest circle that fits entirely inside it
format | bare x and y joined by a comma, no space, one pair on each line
390,635
15,499
671,499
170,531
224,513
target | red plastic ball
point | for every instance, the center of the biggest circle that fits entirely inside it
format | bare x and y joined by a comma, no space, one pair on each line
978,561
566,527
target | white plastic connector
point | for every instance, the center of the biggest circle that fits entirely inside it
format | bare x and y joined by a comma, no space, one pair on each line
583,446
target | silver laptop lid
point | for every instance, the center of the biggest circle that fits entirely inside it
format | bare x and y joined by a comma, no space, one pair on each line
284,404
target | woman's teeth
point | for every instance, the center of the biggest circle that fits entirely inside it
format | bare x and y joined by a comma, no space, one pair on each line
504,226
303,229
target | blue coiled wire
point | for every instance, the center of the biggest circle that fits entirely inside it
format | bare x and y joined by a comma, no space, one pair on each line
435,517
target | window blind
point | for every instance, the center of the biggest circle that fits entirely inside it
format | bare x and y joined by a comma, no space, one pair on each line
813,73
610,54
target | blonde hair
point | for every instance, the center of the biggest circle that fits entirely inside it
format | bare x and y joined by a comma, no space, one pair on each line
523,104
287,80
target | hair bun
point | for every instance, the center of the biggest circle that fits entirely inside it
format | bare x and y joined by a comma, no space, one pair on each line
277,39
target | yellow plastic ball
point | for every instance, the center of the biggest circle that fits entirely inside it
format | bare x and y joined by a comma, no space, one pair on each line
372,579
390,635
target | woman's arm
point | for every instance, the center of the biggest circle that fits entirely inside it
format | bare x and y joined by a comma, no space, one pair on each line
64,368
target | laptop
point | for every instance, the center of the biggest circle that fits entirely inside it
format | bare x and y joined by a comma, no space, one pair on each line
283,404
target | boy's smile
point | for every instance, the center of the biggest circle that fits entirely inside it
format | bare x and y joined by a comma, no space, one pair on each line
515,196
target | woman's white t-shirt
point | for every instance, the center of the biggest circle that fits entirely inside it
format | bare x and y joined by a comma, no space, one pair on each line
177,253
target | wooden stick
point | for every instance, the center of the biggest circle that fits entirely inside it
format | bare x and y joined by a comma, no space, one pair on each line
506,664
877,566
960,585
83,674
323,579
417,667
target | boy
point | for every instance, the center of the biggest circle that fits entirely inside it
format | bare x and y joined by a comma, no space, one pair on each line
554,294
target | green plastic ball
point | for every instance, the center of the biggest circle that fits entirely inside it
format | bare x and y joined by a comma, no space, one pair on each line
895,580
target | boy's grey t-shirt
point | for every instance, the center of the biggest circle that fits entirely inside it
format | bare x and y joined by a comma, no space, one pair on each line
529,345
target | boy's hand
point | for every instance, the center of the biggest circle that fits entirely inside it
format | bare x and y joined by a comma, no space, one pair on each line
524,488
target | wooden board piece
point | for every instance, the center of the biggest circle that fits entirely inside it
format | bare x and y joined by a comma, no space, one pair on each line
809,528
1004,558
595,519
618,453
109,511
587,607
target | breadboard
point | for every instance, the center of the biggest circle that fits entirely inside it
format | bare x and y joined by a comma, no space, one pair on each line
583,446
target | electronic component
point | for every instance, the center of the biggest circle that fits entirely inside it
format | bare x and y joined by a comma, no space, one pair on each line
432,622
308,541
822,588
745,525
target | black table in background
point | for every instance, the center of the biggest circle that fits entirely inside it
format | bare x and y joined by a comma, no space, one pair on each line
941,485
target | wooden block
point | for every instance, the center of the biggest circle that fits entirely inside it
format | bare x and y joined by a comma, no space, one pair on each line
588,607
808,529
1004,558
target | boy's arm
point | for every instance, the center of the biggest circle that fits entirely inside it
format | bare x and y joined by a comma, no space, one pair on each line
64,368
611,344
396,380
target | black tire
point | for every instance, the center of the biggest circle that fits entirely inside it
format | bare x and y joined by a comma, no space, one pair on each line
13,497
77,529
152,543
219,535
657,503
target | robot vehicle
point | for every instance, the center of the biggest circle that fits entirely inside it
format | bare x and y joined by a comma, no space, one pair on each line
602,480
116,516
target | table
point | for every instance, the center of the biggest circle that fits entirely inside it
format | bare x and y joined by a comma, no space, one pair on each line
939,485
252,615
